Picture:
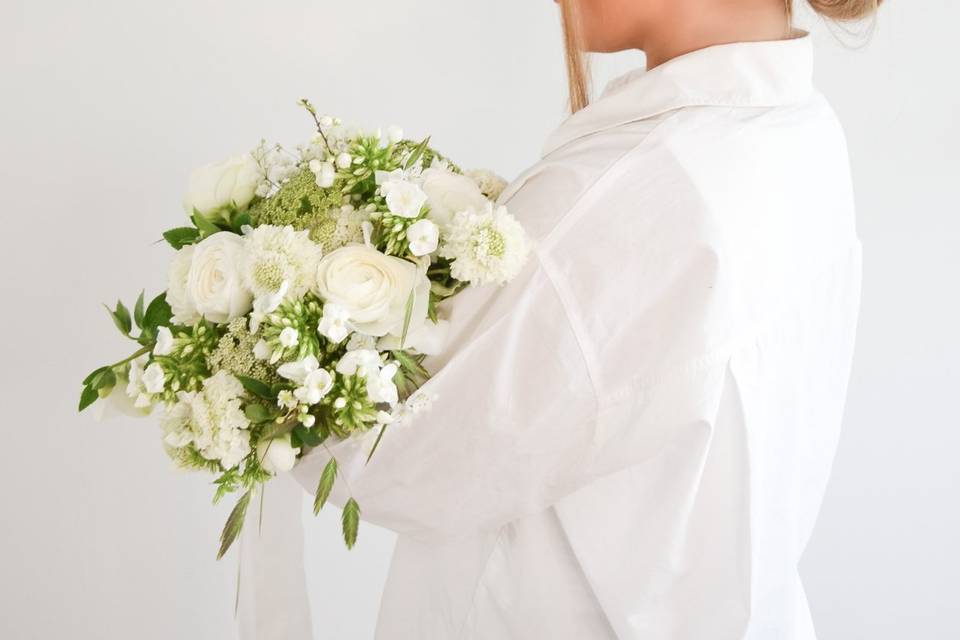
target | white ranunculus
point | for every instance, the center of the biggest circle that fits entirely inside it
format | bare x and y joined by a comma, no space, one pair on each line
277,454
218,185
423,237
449,193
214,282
373,288
164,346
184,311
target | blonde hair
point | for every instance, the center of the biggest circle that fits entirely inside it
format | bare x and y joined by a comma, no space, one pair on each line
578,67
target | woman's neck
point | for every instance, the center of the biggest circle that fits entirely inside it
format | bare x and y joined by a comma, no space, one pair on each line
689,26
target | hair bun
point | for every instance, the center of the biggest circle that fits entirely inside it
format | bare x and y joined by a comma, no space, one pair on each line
845,10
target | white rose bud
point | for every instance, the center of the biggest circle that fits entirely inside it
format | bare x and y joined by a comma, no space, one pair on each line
215,186
278,454
449,193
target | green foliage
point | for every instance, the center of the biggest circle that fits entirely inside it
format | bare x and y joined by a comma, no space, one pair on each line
257,388
304,205
350,519
180,237
234,523
187,365
325,486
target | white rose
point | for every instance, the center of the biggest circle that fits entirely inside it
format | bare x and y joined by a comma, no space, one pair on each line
277,454
214,282
450,193
184,312
373,288
218,185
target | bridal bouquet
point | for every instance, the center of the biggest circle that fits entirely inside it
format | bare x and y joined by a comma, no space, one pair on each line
301,301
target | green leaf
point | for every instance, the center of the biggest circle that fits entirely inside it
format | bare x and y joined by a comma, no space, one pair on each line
181,236
327,479
158,313
93,374
257,413
239,220
204,225
257,388
87,397
376,443
351,521
106,379
138,310
234,524
407,315
272,430
121,318
417,152
307,436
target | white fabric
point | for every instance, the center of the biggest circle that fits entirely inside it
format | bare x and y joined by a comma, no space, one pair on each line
632,439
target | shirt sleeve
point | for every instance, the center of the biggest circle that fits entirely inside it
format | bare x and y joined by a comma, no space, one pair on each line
609,347
513,412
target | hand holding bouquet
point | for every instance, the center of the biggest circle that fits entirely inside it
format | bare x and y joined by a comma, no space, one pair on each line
301,302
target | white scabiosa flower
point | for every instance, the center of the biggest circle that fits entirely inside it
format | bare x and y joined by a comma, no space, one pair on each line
335,323
274,255
423,237
277,454
164,345
486,247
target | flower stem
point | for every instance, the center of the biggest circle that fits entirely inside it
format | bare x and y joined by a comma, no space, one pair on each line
136,355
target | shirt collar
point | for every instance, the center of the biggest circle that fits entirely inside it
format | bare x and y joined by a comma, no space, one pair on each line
742,74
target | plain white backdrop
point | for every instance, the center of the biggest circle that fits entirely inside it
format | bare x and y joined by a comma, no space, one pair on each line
107,105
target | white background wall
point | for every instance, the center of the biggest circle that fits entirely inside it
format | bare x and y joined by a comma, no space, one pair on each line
107,105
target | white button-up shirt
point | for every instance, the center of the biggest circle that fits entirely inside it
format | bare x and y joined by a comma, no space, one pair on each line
632,439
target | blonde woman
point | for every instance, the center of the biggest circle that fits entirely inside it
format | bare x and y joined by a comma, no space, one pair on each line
632,440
